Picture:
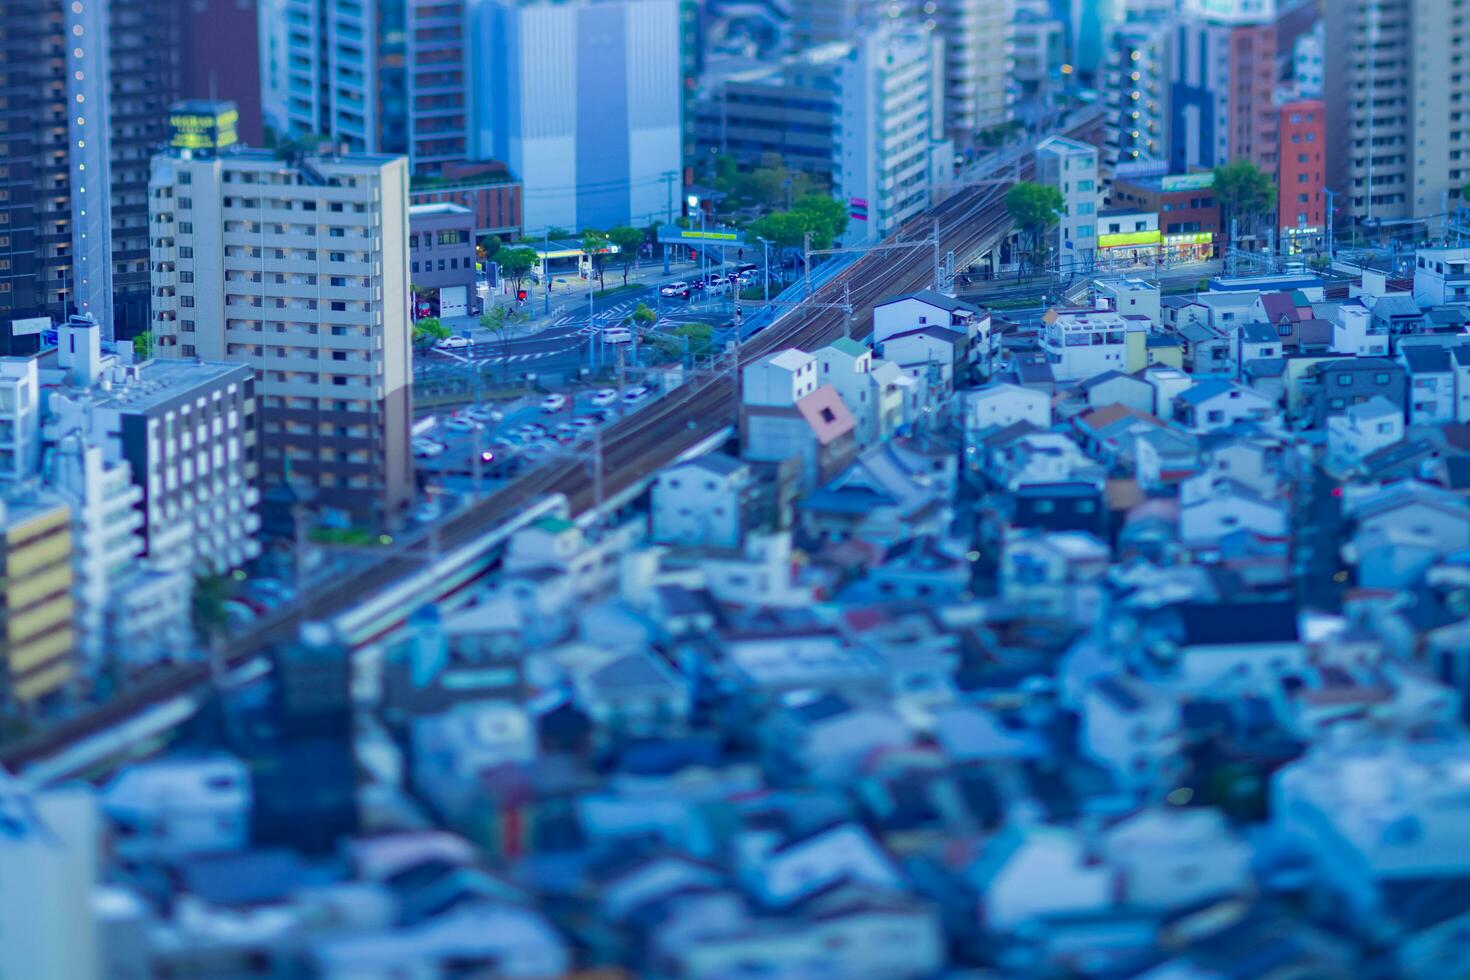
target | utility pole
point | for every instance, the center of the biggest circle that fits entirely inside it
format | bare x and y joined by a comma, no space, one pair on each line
1331,240
847,309
806,261
938,262
668,177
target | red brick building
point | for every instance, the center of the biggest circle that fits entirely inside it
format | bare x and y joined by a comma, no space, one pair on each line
485,188
1189,216
1301,205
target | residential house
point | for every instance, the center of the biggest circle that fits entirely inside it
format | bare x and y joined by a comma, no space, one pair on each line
1117,388
1356,334
1081,344
704,501
1000,404
932,355
1460,354
1129,295
1030,872
869,388
779,380
929,308
174,807
1431,380
1204,645
1204,349
1362,430
817,429
1330,386
1054,574
1253,342
1131,728
1397,315
1441,275
1403,529
1211,508
636,695
1216,404
1164,457
1177,858
1166,350
558,546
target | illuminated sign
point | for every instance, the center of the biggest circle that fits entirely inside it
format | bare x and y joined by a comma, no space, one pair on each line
674,235
202,125
1188,182
1190,238
1129,238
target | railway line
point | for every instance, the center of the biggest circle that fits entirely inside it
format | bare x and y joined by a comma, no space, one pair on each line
968,222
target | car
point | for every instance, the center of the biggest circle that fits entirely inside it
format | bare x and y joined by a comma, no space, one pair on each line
744,267
454,343
617,335
604,396
427,448
485,414
462,423
636,394
428,511
582,423
553,402
531,431
599,416
673,288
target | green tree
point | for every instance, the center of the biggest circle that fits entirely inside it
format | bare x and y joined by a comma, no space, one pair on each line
429,331
143,346
516,263
594,243
628,240
490,246
698,337
207,607
1035,209
826,217
783,229
1245,193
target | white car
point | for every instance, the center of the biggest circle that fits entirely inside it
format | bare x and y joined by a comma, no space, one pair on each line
454,343
462,424
485,415
636,394
673,289
617,335
553,403
427,448
428,511
603,397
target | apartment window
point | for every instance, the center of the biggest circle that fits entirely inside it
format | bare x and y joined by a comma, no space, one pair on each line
339,256
186,202
441,265
186,227
415,268
188,350
186,326
186,301
339,306
1381,378
1344,380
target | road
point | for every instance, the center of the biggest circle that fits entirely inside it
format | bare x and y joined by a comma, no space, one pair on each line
971,219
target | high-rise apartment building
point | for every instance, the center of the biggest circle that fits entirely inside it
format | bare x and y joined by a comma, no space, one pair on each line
386,77
886,129
55,216
299,269
1228,57
1301,200
37,639
1133,81
583,101
1397,143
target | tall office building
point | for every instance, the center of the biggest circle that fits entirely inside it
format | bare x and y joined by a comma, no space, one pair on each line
1395,91
887,127
298,268
582,100
384,77
1228,57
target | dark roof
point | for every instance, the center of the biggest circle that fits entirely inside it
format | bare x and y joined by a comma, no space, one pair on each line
1426,358
1259,333
944,334
1280,306
1356,364
933,298
1209,624
1461,354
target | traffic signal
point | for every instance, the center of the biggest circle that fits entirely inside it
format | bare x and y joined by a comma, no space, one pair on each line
520,295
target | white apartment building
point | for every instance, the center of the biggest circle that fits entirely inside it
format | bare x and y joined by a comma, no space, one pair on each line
1081,344
298,269
979,56
1071,167
870,387
1441,275
779,380
20,418
888,124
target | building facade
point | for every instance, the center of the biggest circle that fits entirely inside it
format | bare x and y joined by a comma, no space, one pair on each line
1134,87
37,637
887,130
1301,200
441,252
1071,167
298,269
583,101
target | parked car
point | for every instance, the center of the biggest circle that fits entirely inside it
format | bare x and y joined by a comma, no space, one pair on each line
636,394
617,335
485,414
427,448
532,430
673,288
454,343
553,402
604,396
428,511
461,423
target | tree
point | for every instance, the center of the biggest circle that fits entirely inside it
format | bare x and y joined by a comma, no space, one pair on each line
490,246
143,346
783,229
208,606
628,240
826,218
516,263
697,338
429,331
1035,209
1245,194
594,244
